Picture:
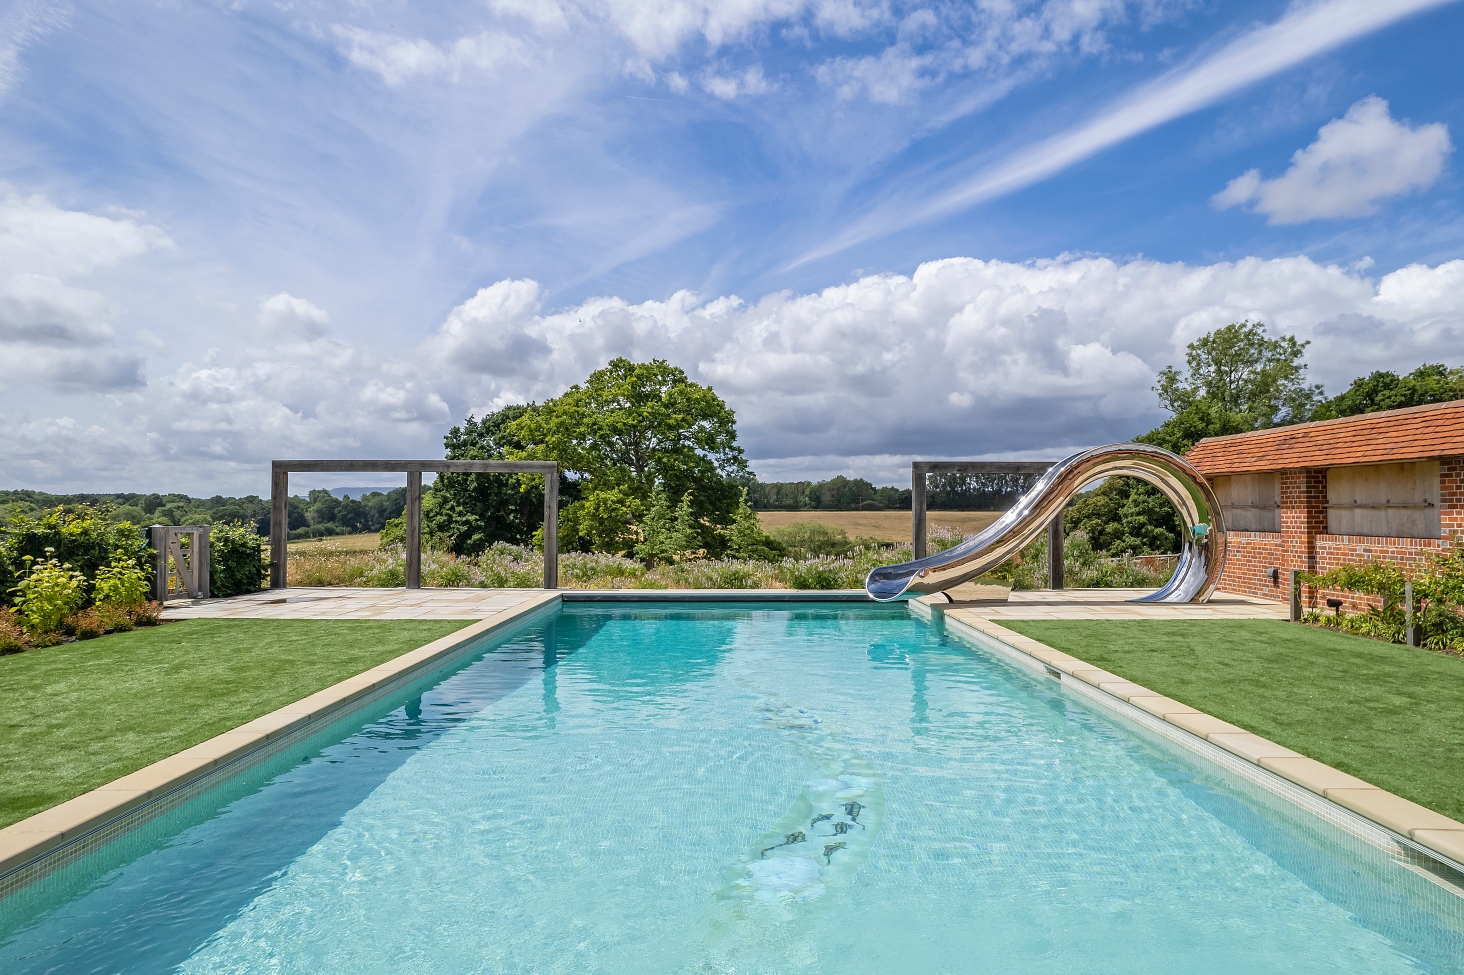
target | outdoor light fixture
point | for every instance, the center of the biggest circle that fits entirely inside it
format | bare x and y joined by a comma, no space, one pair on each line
1274,574
1335,604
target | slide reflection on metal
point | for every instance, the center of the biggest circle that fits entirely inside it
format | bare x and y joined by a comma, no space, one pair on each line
1200,561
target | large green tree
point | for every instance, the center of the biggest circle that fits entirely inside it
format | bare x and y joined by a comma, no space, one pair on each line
469,512
1237,379
629,431
1239,369
1429,383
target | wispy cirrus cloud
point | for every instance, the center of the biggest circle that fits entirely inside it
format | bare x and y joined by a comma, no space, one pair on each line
1304,32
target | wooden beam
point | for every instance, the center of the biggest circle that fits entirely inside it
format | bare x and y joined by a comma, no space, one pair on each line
413,515
981,466
418,466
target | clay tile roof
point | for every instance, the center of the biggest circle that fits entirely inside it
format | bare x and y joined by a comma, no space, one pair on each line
1414,433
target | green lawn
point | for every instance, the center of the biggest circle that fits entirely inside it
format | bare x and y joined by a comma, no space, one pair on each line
78,715
1389,714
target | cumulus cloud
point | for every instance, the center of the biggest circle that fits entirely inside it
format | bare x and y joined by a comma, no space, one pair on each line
962,358
284,314
1357,160
51,329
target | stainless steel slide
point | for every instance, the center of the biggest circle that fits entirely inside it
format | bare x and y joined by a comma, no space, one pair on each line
1200,561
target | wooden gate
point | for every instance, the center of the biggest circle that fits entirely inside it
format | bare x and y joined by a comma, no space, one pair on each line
180,561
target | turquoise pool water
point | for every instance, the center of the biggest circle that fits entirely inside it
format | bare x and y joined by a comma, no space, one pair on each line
800,788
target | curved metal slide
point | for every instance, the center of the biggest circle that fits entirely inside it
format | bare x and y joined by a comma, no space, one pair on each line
1200,561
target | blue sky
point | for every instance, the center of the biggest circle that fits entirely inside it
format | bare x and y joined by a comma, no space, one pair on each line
880,230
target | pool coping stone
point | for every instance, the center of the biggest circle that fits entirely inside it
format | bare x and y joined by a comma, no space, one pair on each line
1422,826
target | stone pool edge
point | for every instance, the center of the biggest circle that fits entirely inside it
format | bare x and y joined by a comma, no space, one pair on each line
28,843
1424,828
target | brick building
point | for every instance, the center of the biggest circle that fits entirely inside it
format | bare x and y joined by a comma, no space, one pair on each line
1318,495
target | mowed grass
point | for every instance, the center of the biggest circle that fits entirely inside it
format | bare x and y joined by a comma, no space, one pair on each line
81,714
1389,714
887,526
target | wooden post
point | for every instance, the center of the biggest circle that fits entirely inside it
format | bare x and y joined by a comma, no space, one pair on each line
279,527
1410,636
158,539
551,529
414,529
1295,612
201,557
1054,552
917,510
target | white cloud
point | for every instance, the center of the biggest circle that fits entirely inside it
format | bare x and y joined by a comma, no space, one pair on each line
399,59
50,329
961,358
728,87
287,315
1303,32
1358,159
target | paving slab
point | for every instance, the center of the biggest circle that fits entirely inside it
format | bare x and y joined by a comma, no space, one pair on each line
302,603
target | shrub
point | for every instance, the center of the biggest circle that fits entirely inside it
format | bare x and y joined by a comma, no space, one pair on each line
120,584
84,625
394,532
47,593
79,535
811,539
237,563
114,617
12,635
148,614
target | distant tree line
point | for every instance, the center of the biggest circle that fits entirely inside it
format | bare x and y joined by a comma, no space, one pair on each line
318,514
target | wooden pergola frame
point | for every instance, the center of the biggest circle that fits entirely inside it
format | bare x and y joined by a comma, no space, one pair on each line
279,498
920,468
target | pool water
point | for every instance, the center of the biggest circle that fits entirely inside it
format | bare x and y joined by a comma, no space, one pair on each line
739,788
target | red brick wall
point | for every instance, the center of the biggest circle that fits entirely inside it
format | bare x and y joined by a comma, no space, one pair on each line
1303,542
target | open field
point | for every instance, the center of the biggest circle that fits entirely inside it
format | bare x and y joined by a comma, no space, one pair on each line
81,714
1390,714
364,542
887,526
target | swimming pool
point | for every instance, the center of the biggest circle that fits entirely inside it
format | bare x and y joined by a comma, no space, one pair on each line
736,788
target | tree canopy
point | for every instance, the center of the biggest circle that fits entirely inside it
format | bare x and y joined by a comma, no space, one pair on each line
469,512
629,431
1382,390
1241,370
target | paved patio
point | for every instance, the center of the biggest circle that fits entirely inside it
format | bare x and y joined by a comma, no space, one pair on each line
473,604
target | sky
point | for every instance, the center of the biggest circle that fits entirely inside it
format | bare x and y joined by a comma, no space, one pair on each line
237,231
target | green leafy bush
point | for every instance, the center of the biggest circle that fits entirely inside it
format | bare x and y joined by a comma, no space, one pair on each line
47,593
394,532
237,563
79,535
121,583
812,539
